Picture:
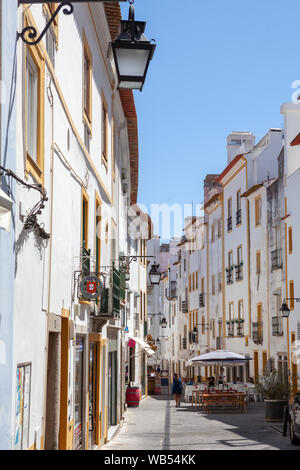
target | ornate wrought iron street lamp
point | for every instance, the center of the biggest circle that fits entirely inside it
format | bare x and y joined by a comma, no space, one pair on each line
285,311
154,275
132,53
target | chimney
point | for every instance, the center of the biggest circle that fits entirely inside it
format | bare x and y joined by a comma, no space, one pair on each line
239,143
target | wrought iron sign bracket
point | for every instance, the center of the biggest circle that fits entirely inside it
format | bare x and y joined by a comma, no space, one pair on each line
29,34
131,258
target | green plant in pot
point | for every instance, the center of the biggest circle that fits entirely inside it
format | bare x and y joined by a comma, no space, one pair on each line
275,389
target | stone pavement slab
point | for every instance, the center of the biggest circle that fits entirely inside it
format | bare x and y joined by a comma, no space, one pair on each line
157,425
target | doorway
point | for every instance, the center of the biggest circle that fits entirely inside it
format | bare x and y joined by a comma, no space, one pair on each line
112,388
53,393
79,414
93,361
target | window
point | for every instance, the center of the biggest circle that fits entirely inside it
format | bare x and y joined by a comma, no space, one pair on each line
50,45
213,289
219,228
87,137
197,279
87,83
220,282
213,232
113,148
258,262
32,107
84,219
239,256
238,208
34,114
104,130
98,233
258,211
290,240
229,207
292,295
190,283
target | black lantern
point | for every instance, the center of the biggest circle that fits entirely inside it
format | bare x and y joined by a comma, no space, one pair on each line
164,323
195,334
285,311
154,275
132,53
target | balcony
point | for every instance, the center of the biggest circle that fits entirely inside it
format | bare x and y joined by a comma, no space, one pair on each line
184,306
239,272
184,343
238,217
201,300
276,261
229,276
277,329
257,332
230,329
240,328
229,224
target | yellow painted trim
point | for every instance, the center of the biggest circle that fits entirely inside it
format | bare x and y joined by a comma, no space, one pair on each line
65,313
244,165
43,53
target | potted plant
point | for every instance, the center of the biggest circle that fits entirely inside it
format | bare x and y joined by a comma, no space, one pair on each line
275,391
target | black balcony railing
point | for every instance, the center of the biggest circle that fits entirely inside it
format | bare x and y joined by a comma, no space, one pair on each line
201,300
184,343
238,217
240,328
276,261
239,272
229,224
277,326
230,329
229,276
184,306
257,332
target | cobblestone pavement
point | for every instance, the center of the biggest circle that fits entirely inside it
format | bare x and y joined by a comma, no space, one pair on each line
157,425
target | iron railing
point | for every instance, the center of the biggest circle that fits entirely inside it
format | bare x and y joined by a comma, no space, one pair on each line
229,276
239,272
201,300
238,217
257,332
229,224
276,262
277,329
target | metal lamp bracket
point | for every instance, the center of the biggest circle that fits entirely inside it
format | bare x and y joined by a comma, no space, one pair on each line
31,33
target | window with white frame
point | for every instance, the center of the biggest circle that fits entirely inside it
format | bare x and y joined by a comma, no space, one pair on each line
32,107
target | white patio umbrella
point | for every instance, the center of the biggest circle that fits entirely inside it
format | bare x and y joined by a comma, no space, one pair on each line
219,357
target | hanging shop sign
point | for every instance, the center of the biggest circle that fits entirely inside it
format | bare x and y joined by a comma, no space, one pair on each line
90,287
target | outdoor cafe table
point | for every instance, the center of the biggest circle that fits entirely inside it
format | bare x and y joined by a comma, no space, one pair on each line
233,399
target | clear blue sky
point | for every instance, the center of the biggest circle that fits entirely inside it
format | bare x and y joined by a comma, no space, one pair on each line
219,66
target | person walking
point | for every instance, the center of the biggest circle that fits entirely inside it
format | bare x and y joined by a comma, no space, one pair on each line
177,389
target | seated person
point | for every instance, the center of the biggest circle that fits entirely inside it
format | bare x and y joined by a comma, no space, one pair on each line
250,381
211,381
237,381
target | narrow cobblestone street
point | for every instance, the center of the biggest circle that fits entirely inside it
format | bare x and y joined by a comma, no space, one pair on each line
158,425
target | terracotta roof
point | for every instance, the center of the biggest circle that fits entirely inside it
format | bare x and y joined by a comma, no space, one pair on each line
214,198
252,190
228,168
296,140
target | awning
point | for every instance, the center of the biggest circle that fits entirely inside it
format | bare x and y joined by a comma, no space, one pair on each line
5,211
144,345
